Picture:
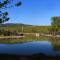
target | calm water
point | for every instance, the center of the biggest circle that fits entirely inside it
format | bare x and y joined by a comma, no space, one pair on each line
29,48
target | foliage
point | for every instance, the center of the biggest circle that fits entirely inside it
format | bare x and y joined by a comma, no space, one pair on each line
4,4
55,21
26,28
55,25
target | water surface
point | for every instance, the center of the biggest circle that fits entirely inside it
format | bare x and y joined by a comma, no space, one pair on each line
29,48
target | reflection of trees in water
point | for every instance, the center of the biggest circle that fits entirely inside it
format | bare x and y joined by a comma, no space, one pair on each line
55,43
56,48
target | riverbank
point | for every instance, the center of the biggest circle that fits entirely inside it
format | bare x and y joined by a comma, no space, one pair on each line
26,38
28,34
11,37
49,35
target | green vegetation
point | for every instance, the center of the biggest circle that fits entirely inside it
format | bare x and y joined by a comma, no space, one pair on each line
13,29
26,28
7,29
4,4
55,25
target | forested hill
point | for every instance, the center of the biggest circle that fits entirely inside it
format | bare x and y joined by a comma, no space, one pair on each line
14,24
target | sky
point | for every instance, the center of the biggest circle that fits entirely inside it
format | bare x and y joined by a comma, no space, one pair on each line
35,12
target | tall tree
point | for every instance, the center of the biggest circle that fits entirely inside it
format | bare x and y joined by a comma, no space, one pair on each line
55,24
4,4
55,21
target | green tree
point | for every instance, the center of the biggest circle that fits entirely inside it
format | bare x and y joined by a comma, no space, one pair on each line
55,21
55,24
4,4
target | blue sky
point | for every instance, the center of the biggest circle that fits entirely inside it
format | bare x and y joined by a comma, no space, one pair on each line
35,12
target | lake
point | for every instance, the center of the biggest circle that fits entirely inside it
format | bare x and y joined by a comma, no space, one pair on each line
29,48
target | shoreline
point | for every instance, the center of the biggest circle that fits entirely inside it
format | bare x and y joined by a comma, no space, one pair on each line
44,35
49,35
30,34
13,37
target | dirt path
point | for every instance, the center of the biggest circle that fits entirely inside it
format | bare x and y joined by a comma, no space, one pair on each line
6,37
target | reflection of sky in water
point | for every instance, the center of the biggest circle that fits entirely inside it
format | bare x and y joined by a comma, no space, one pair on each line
28,48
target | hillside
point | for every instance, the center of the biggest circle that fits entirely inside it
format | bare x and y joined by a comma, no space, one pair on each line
26,28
